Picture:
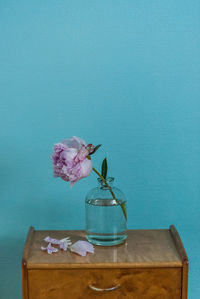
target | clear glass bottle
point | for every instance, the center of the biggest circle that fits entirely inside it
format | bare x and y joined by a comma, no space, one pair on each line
105,216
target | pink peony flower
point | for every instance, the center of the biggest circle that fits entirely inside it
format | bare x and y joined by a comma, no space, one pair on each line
70,160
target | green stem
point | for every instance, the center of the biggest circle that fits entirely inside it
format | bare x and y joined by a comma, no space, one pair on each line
113,195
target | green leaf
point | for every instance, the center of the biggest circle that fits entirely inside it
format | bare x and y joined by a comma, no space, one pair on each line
124,210
104,168
95,149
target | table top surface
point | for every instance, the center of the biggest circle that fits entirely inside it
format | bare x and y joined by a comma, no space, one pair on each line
143,248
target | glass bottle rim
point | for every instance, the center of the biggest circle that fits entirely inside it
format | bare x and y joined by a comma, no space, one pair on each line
109,179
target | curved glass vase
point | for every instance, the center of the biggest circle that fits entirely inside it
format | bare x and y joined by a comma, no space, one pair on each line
105,217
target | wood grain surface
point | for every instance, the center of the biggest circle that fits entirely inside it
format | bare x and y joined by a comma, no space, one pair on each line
144,248
162,283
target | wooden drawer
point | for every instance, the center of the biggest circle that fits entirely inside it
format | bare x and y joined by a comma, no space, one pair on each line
163,283
152,264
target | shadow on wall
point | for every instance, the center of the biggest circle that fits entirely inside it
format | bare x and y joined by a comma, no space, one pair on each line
12,248
47,212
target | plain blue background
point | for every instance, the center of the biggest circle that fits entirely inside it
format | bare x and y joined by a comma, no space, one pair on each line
122,73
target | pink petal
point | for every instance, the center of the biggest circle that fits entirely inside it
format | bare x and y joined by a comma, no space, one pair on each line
64,243
82,247
74,142
64,246
50,249
85,168
51,240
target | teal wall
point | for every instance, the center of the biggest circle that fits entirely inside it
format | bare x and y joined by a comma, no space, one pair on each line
121,73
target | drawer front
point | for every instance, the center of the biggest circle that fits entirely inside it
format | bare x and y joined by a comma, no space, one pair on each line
160,283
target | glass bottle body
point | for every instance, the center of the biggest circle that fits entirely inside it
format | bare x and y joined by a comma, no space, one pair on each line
105,220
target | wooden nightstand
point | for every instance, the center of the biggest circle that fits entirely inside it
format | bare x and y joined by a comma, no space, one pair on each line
152,264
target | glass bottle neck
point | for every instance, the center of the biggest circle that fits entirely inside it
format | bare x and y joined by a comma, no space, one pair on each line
107,184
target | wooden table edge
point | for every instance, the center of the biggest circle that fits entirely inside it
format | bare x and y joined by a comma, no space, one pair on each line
104,266
183,255
24,269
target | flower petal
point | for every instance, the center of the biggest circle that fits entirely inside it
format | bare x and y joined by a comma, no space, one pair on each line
63,243
82,247
50,249
85,168
74,142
